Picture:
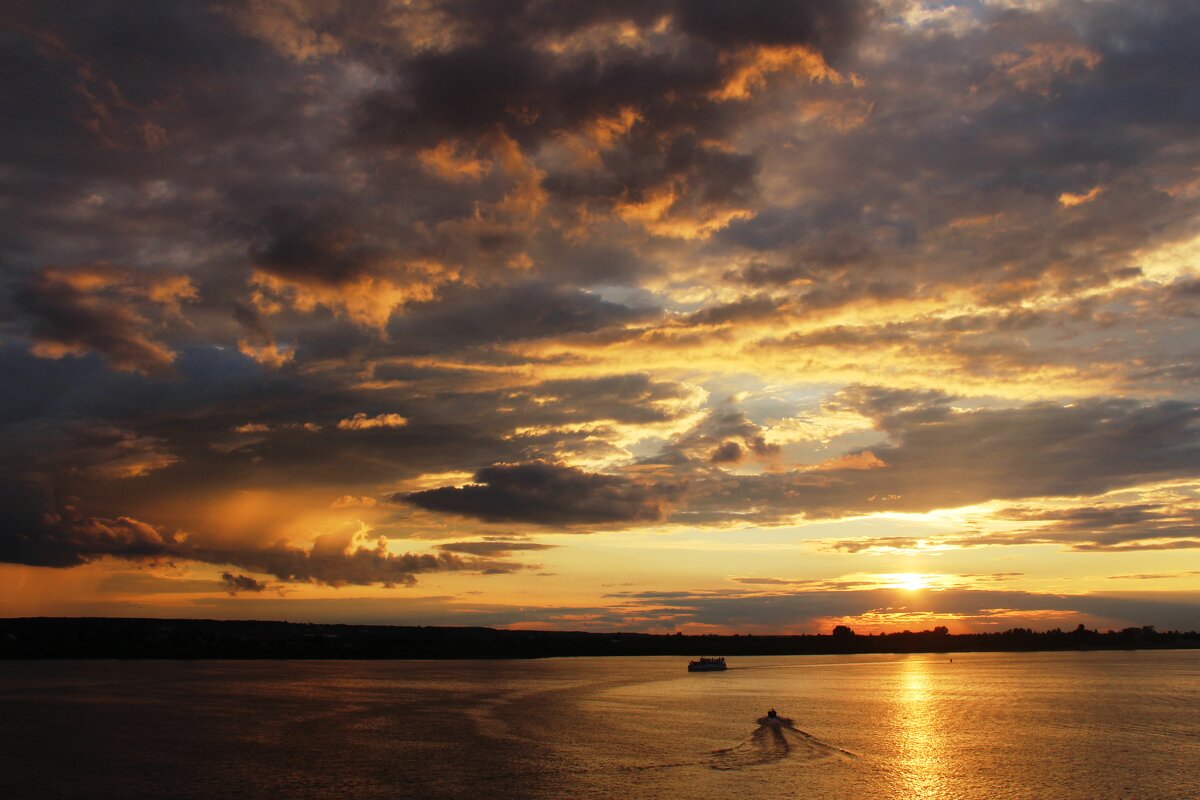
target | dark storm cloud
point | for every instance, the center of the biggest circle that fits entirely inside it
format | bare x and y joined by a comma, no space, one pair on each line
38,530
548,494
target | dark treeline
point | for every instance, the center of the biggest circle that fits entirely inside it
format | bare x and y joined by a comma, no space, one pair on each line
44,637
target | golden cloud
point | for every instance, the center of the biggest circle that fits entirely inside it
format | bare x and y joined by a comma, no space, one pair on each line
361,422
752,66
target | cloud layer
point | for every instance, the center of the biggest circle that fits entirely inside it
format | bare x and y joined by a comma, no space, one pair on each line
317,294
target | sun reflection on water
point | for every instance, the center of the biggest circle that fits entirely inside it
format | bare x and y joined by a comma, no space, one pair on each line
920,742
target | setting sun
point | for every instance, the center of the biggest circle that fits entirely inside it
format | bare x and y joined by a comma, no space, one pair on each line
910,581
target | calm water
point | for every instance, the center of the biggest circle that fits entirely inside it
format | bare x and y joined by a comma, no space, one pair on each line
1042,725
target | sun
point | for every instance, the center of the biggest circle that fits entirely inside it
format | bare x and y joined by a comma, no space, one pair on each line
910,581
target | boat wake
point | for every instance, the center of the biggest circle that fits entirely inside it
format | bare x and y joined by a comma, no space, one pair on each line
776,738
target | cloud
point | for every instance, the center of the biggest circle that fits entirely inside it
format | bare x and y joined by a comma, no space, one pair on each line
91,310
1151,576
241,583
38,532
112,453
724,435
513,70
339,560
1156,523
964,610
361,422
493,547
747,308
628,264
491,316
258,343
307,244
1039,450
548,494
1041,63
1108,527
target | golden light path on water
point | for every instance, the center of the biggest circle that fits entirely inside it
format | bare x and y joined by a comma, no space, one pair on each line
919,736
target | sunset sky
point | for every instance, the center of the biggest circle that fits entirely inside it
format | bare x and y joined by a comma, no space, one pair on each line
658,315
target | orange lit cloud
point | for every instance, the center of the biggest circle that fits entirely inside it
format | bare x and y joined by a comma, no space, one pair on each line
1041,63
1069,200
105,310
368,300
751,68
362,422
448,161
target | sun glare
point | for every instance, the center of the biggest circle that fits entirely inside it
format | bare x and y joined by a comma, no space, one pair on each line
910,581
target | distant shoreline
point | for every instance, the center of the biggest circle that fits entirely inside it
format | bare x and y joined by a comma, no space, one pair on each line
148,638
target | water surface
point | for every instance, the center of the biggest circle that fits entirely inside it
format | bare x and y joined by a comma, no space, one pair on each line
1011,725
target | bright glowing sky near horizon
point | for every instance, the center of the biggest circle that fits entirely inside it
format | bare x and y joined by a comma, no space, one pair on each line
658,315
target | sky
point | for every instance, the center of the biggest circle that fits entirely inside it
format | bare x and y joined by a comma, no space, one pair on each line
645,316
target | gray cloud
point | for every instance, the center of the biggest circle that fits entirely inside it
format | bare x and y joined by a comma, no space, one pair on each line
241,583
725,435
548,494
69,320
488,316
344,563
40,532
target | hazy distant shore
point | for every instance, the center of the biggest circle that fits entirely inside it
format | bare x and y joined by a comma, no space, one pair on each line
46,637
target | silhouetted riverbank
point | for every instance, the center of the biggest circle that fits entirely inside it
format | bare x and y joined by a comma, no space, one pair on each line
44,637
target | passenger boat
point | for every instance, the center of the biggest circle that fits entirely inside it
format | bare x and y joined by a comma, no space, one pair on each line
706,664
